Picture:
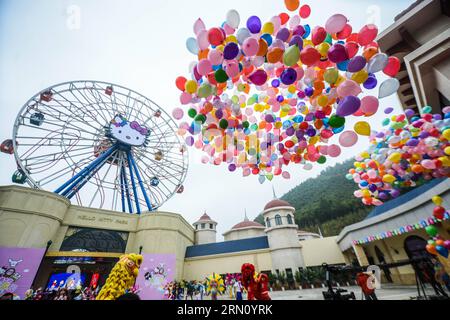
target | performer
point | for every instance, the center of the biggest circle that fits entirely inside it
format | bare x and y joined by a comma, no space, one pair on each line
257,285
122,277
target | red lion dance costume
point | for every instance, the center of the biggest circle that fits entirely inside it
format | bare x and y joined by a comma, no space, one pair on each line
255,284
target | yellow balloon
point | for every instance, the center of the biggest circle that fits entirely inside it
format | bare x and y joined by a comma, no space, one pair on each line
445,161
365,155
268,27
360,76
447,150
365,193
314,140
322,100
388,178
437,200
292,89
231,38
323,48
395,157
339,80
362,128
191,86
278,124
446,134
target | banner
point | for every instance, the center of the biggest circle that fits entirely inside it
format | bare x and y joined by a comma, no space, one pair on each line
156,271
18,267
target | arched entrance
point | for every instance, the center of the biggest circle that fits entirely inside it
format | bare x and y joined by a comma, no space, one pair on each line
382,260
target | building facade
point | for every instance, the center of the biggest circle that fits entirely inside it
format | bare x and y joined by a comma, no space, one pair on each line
30,218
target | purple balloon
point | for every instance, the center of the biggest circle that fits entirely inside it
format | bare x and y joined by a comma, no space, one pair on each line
395,193
269,118
288,76
231,167
254,24
309,117
412,142
259,77
447,244
356,63
309,91
337,53
409,113
347,106
290,131
299,31
283,34
370,83
299,134
311,132
437,117
219,114
388,110
296,40
230,51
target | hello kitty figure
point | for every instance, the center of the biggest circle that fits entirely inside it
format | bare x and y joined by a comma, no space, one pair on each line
129,133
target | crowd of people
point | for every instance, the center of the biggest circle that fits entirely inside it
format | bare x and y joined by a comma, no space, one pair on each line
198,290
78,293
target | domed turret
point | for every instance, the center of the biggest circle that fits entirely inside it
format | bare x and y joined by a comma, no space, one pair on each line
205,230
245,229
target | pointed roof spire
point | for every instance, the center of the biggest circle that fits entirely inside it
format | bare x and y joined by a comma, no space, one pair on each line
274,194
245,218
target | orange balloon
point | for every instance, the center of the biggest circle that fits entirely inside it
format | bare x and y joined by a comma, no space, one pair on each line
292,5
439,242
203,54
370,52
263,47
417,168
275,55
431,249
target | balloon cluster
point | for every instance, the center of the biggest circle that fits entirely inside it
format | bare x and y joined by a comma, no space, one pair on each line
436,244
410,151
267,94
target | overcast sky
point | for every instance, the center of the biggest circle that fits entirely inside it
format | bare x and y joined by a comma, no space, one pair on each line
141,45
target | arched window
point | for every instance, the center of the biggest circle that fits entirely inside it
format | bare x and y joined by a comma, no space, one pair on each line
278,220
289,219
268,223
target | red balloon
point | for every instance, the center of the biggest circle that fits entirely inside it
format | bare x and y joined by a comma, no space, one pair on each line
344,33
367,34
284,17
319,34
305,11
392,67
215,36
180,83
439,212
309,56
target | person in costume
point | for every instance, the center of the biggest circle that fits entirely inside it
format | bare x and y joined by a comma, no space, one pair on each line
256,285
214,286
122,277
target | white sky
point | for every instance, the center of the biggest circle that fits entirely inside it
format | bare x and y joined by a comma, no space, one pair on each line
141,45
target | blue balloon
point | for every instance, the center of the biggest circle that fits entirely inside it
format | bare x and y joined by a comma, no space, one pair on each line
268,38
307,31
338,130
443,251
342,66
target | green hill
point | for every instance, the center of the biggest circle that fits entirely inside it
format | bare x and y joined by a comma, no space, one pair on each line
326,201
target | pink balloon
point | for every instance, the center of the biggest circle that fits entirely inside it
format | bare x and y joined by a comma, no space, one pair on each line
231,67
202,39
185,98
250,47
335,23
348,139
204,67
286,175
198,26
369,105
428,164
215,57
348,88
177,113
334,150
228,29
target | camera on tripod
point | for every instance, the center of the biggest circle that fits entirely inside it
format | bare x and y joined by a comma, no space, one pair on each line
335,293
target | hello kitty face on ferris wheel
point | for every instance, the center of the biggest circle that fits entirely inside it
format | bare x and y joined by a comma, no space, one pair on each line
130,133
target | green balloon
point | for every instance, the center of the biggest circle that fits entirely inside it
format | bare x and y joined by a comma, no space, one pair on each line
204,91
221,76
322,160
192,112
331,75
431,230
245,124
336,121
223,124
200,118
291,56
328,39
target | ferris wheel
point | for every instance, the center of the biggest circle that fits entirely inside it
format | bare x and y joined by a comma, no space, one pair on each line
100,145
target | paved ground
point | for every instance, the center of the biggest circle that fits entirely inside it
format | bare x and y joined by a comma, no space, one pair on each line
386,292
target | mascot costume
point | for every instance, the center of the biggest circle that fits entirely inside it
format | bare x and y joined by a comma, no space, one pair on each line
122,277
255,284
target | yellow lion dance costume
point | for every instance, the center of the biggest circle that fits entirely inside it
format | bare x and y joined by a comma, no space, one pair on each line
122,277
